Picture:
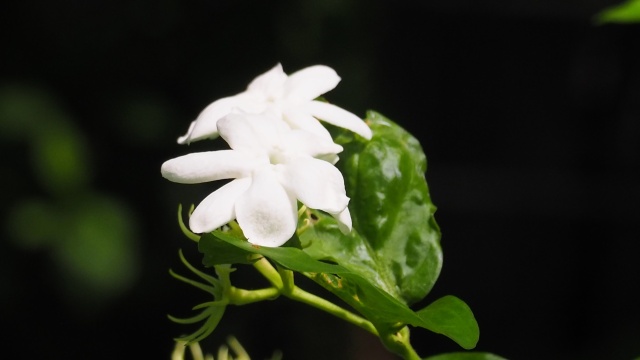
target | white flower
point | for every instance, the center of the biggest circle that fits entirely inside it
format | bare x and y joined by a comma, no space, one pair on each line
291,97
273,167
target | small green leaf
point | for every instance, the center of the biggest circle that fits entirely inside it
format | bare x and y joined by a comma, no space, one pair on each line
466,356
452,317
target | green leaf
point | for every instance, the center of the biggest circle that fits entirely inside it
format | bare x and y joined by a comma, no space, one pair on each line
387,313
392,258
220,252
396,240
466,356
452,317
626,12
375,304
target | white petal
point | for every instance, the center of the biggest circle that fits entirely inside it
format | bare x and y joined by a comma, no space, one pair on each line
208,166
185,139
330,158
205,125
266,213
305,142
310,82
316,183
269,83
337,116
249,131
344,220
304,121
218,208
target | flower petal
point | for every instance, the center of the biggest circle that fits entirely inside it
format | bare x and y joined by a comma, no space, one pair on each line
337,116
186,138
316,183
344,220
218,208
208,166
303,120
305,142
258,132
309,83
269,83
266,212
205,125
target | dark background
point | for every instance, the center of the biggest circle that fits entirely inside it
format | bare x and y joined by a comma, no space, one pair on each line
528,112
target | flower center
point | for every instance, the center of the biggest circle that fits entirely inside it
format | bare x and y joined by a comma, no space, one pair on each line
278,155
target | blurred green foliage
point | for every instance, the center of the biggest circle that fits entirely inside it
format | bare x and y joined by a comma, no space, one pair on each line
90,237
624,13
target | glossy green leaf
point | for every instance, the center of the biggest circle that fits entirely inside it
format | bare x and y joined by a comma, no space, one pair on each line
474,355
396,240
453,318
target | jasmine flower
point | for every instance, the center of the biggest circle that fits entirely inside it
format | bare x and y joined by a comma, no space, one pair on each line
291,98
272,167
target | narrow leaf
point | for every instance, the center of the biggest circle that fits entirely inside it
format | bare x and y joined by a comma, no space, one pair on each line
382,309
220,252
375,304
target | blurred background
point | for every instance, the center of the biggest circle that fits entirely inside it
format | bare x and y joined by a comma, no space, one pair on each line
528,111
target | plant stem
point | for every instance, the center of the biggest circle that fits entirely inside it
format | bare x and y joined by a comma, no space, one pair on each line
287,280
287,288
327,306
400,344
239,296
241,353
269,272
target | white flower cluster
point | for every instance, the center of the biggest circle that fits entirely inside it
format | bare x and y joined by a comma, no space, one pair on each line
280,154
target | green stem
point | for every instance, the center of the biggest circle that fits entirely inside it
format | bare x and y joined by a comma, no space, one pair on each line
400,344
239,296
283,281
241,353
287,280
327,306
269,272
